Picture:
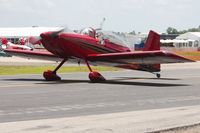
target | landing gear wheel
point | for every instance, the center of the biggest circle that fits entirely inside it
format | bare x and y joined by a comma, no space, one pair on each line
51,76
96,77
158,75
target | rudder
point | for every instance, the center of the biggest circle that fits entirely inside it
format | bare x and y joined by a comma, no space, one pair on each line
153,42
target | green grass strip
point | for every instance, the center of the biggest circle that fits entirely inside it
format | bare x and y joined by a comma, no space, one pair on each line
14,70
191,54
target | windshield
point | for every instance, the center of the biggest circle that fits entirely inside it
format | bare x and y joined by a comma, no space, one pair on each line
67,30
113,37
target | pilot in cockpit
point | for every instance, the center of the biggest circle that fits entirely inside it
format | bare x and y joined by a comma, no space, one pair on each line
92,33
89,31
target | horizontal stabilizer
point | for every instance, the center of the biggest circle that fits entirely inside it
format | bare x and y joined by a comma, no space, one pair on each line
143,57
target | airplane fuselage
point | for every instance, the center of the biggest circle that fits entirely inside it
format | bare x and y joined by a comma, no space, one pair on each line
67,44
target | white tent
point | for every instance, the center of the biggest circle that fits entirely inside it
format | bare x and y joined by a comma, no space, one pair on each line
191,36
25,31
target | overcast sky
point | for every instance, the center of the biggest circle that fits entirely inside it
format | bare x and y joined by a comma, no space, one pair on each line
121,15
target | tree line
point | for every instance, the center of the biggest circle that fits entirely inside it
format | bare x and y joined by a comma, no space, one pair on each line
171,30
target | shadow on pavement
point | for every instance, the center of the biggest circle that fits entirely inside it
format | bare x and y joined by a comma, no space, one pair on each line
119,81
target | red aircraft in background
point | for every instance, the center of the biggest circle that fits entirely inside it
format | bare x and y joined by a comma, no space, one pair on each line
96,47
5,44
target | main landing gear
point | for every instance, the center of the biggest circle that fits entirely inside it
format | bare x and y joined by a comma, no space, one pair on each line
51,75
94,76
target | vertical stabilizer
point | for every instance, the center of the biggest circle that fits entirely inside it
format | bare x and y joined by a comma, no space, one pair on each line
153,42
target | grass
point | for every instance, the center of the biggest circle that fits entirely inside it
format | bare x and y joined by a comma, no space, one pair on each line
194,55
14,70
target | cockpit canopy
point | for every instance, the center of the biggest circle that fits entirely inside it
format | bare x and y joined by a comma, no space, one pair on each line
89,32
106,35
113,37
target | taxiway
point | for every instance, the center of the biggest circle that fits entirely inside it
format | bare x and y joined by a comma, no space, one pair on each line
29,97
26,97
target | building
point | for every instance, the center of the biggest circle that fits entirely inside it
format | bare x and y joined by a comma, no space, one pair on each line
168,36
192,40
14,34
189,41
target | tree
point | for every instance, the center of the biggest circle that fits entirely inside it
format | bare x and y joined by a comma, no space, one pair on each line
132,32
171,30
183,31
193,30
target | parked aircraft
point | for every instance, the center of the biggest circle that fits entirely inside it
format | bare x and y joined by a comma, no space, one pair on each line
5,44
96,47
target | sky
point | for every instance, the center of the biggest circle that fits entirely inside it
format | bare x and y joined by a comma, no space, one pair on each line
121,15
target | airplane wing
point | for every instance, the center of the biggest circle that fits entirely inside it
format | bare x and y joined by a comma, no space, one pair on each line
145,60
137,60
34,54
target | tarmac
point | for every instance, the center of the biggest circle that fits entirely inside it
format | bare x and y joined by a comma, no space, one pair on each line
126,122
129,101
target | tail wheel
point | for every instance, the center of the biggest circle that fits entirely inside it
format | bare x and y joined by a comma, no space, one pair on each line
51,76
158,75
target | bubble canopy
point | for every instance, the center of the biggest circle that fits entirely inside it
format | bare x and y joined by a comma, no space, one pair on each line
113,37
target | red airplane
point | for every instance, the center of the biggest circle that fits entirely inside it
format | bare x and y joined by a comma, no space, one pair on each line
100,48
5,44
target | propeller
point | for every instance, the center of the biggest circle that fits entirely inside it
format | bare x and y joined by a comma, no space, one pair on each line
62,29
37,40
55,33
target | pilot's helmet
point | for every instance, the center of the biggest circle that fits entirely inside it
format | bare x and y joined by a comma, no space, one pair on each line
89,31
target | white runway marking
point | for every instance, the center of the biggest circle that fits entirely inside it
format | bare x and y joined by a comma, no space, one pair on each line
16,85
58,108
97,105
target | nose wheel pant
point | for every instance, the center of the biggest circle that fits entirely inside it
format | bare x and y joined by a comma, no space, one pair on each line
51,75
